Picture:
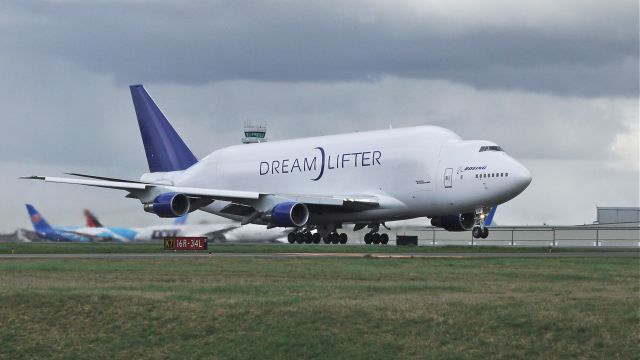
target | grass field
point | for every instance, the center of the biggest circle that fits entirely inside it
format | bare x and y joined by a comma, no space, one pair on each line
74,248
252,308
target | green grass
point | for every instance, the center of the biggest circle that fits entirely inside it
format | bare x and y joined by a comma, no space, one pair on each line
248,308
77,248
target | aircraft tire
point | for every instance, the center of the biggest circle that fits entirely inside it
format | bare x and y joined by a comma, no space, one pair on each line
367,238
316,238
485,233
476,232
326,239
335,238
375,238
308,238
343,238
291,237
384,239
299,237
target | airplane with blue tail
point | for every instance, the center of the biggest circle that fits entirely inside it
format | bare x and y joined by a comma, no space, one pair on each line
92,221
76,233
217,232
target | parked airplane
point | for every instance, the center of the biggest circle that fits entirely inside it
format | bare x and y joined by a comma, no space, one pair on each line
218,232
315,185
92,220
76,233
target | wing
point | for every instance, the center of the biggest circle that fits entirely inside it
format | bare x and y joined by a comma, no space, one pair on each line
241,200
138,189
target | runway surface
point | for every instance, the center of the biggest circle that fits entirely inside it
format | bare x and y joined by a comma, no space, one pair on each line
169,255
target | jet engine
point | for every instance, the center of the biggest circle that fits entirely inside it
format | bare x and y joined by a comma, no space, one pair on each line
457,222
288,214
169,205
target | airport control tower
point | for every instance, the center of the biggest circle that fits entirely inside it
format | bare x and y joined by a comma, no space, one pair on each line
254,133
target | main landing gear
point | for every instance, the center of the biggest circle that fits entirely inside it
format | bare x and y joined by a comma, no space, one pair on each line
479,230
335,238
374,237
305,236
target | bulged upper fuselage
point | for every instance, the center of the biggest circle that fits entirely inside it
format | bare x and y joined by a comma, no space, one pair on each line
416,171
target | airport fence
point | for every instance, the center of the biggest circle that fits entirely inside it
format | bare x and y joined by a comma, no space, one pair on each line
546,236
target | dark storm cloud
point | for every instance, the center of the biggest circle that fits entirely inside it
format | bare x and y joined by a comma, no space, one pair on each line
198,43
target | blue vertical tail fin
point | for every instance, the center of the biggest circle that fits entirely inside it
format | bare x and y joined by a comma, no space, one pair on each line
181,220
488,221
40,225
164,148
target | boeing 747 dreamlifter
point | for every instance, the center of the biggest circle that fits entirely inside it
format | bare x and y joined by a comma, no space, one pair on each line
317,184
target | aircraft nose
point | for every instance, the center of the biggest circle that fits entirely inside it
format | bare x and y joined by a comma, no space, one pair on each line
521,177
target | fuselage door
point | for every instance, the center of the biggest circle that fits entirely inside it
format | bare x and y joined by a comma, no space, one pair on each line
448,177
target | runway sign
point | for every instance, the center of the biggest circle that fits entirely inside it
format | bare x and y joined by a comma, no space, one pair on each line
185,243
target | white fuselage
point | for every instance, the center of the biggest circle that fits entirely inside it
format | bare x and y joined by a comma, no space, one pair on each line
220,232
226,232
414,172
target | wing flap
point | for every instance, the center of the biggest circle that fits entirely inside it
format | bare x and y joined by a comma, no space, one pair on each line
351,202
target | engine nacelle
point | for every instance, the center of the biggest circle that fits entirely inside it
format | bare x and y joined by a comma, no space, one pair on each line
289,214
169,205
458,222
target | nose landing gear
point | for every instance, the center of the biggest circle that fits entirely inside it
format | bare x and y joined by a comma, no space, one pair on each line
479,229
480,232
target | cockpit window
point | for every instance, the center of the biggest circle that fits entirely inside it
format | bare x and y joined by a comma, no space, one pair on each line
490,148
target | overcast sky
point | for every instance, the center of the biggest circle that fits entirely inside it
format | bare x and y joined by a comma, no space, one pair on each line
554,82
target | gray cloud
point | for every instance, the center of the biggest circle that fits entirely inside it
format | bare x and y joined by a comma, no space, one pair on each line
556,86
195,43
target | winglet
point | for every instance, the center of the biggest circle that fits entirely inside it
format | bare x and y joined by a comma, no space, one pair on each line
164,148
40,225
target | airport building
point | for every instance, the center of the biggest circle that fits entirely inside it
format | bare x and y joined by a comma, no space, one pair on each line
254,133
618,216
